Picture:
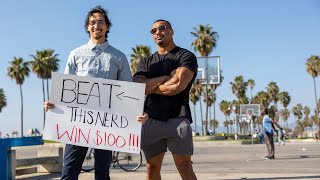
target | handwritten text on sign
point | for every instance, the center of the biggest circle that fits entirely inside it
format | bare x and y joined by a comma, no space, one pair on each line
94,112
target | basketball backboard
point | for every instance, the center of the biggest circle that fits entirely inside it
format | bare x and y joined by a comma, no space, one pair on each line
208,66
249,110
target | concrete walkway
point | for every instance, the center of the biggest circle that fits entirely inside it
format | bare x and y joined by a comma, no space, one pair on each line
223,160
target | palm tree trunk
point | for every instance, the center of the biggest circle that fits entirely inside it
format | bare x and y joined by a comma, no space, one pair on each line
214,115
21,96
207,110
251,95
207,106
315,94
195,118
48,89
201,114
209,116
286,118
44,99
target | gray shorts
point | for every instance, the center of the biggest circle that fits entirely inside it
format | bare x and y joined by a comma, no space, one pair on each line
174,134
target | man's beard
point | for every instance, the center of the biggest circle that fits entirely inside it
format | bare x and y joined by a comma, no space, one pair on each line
160,43
97,37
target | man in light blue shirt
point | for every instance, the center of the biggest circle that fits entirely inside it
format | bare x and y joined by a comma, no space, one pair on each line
268,128
96,59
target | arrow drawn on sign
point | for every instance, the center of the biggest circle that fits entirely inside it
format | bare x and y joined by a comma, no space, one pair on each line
126,97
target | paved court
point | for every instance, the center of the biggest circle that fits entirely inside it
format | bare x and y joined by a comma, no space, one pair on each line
212,160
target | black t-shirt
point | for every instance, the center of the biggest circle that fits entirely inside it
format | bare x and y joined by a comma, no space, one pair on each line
163,107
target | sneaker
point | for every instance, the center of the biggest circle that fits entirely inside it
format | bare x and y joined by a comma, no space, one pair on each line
266,157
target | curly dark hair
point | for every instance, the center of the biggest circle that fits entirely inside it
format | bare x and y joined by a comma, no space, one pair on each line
98,9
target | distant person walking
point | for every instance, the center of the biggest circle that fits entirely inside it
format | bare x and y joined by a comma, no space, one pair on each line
268,128
281,133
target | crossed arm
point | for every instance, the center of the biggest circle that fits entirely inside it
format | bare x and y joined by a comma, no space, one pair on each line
167,85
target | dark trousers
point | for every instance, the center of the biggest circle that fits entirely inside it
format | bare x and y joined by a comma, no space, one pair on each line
74,157
270,144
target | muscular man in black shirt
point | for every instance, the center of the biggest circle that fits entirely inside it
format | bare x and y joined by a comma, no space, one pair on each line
168,75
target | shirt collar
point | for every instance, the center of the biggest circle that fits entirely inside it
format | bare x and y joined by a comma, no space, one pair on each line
102,46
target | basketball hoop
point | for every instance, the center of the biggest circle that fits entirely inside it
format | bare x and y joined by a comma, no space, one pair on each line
208,70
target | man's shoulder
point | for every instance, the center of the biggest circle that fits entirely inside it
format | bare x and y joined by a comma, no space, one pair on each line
182,52
79,50
153,57
115,52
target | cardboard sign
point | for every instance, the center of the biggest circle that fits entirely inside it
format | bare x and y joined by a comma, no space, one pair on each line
94,112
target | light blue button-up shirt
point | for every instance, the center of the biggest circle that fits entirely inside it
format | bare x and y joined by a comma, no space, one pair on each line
100,61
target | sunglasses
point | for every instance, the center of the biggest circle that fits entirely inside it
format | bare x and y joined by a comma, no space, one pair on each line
160,28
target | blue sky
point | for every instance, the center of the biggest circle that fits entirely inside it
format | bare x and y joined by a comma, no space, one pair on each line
263,40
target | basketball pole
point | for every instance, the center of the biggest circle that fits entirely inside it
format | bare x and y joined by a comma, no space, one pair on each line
207,107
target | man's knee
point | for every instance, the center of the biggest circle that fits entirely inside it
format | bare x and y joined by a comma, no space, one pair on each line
182,161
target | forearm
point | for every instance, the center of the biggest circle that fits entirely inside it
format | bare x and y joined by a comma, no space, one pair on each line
169,88
151,84
179,81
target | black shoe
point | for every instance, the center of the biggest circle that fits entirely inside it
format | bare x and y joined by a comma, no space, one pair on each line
269,157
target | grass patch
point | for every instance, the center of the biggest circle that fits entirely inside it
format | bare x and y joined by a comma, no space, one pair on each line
48,141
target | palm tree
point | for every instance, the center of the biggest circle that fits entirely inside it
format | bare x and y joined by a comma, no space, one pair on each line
52,65
313,68
306,120
251,84
285,114
199,90
225,108
17,71
263,99
194,98
239,87
226,125
139,52
273,91
297,111
214,124
205,40
3,100
44,62
209,99
204,43
285,99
